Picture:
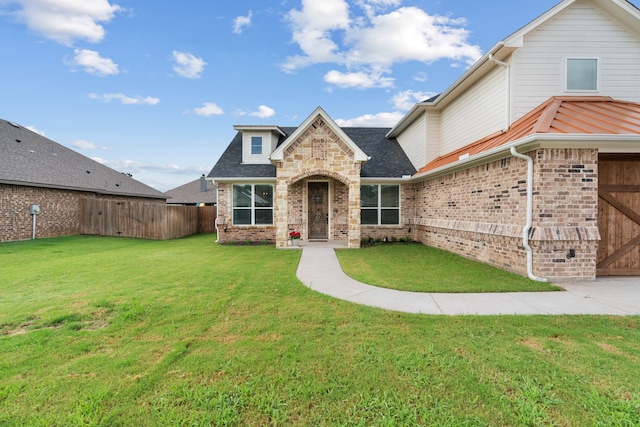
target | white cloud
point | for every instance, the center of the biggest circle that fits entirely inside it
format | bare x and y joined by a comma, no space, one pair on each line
359,80
208,109
311,29
372,120
33,129
124,99
136,167
86,145
373,42
263,112
408,98
187,65
65,21
242,21
93,63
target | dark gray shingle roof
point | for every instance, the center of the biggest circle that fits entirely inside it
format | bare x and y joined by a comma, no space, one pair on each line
191,193
388,160
27,158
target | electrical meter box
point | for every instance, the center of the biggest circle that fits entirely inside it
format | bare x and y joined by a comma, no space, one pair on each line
34,209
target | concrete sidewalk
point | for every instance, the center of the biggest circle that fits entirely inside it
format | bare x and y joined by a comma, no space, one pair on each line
320,270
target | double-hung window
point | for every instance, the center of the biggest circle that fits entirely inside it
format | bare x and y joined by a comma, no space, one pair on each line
256,145
253,204
379,204
582,74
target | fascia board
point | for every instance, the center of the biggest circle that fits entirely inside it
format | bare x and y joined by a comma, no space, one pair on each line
623,143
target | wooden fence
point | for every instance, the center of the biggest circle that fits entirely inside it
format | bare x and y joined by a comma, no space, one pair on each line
144,220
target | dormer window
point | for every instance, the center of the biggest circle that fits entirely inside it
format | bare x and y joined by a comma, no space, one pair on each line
582,74
258,142
256,145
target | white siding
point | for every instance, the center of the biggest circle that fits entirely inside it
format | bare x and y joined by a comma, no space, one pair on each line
433,136
479,112
413,141
582,30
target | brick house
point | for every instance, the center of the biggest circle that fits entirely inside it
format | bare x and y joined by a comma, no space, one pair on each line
38,172
527,162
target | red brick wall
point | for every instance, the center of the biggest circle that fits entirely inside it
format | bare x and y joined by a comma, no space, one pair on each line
479,213
59,211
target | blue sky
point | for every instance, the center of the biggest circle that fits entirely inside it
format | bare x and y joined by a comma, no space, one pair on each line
153,88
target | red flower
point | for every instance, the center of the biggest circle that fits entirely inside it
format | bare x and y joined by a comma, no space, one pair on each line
294,234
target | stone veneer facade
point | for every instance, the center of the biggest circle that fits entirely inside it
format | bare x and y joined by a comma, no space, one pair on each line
480,213
317,155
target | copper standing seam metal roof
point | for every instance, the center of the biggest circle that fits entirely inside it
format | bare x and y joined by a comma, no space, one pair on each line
596,115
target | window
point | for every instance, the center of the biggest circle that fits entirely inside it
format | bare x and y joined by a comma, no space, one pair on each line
253,204
256,145
582,74
380,204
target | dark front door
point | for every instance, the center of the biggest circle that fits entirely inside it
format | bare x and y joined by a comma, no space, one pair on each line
318,210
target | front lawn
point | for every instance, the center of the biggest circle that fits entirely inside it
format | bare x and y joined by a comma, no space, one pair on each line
120,332
420,268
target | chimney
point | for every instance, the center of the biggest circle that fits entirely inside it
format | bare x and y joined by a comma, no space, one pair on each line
203,184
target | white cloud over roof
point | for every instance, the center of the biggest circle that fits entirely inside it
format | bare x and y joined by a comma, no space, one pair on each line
242,21
66,21
188,65
371,43
93,63
124,99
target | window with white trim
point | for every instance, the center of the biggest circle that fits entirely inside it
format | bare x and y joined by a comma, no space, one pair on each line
252,204
379,204
256,145
582,74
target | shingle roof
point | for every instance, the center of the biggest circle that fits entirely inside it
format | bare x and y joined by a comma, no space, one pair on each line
27,158
388,160
191,193
597,115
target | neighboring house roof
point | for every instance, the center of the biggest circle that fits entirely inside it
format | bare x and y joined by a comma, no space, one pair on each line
598,115
192,193
387,159
29,159
622,10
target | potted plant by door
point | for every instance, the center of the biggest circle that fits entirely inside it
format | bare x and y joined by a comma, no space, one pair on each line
295,238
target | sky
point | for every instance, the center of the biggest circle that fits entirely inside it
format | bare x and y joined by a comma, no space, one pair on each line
154,87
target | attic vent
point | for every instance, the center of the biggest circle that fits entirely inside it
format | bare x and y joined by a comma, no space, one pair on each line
31,151
464,156
18,140
117,185
88,171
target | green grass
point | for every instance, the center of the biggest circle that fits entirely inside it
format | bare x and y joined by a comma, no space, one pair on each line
119,332
421,268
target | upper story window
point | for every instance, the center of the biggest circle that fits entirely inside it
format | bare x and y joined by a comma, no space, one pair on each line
253,204
379,204
256,145
582,74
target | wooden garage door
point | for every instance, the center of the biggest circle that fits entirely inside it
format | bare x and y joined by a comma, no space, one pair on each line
619,215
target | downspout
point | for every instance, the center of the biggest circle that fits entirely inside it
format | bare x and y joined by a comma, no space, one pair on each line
218,204
527,227
507,90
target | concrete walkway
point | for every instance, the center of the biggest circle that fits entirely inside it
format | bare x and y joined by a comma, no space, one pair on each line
320,270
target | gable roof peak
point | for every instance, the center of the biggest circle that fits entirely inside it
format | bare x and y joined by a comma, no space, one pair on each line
358,154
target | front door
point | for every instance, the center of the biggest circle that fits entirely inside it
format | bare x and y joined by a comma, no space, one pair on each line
318,210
